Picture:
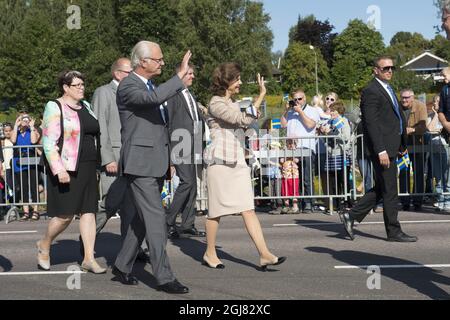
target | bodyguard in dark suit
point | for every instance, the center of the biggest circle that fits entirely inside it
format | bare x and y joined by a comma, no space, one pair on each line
185,128
144,161
384,128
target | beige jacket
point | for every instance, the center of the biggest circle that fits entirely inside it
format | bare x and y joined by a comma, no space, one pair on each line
418,120
227,125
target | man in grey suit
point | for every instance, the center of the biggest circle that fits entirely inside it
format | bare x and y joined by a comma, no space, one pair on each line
105,108
144,161
185,122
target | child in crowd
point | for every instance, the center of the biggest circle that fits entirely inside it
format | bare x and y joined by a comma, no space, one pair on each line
290,178
270,143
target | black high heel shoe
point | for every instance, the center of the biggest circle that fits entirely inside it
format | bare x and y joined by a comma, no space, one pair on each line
280,260
217,266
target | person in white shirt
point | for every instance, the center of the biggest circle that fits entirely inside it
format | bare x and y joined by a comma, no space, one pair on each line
439,157
301,120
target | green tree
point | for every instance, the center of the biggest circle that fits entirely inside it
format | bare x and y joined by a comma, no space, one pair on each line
298,68
152,20
355,49
317,33
221,31
406,45
408,79
441,47
41,46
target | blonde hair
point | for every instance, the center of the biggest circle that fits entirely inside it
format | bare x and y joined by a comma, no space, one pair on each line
446,71
317,101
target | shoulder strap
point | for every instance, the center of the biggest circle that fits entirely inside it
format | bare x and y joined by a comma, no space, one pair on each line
61,118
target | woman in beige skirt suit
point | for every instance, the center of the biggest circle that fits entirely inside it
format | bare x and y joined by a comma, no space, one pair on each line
228,176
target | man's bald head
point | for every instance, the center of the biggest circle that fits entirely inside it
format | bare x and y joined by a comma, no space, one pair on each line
121,68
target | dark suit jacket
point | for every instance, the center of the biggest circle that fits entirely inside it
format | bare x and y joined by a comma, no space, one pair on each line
180,118
381,126
145,136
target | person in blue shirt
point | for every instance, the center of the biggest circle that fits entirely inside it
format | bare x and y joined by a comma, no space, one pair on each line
25,176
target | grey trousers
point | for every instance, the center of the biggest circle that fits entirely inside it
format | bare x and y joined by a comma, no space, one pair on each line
143,207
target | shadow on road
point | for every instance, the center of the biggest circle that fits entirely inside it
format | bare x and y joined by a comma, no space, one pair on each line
424,280
5,264
195,248
336,227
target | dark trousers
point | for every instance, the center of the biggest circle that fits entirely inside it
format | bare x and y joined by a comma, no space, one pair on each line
307,178
385,188
184,197
418,161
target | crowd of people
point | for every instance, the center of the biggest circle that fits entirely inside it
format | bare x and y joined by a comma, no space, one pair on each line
22,179
333,137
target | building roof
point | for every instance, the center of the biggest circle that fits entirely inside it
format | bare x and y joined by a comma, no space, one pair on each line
426,62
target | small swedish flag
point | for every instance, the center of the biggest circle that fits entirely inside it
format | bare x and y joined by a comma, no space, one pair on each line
338,122
403,162
165,192
276,124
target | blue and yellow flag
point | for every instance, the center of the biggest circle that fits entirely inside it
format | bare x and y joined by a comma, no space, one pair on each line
338,122
165,192
276,124
403,162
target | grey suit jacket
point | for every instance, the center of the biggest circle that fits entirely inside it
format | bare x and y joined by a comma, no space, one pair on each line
145,137
105,108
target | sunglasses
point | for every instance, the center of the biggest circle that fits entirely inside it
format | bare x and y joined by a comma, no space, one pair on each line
387,68
330,99
406,97
298,99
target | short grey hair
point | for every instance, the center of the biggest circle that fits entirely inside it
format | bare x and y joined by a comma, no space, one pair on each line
407,90
117,65
143,49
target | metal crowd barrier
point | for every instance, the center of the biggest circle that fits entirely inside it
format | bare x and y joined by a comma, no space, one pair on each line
332,179
23,181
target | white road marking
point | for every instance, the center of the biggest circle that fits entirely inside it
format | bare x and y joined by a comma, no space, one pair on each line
37,273
399,266
356,223
17,232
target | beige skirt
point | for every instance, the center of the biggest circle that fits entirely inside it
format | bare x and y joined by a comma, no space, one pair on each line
230,190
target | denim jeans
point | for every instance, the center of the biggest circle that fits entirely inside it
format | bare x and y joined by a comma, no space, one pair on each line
365,167
440,172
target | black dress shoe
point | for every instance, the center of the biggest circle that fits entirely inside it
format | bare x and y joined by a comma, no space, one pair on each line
124,278
348,222
172,233
402,237
143,256
173,287
192,232
280,260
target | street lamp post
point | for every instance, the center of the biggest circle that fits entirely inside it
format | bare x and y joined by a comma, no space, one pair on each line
317,79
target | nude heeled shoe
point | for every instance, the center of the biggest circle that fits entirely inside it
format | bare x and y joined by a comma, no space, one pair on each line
264,264
92,266
43,258
213,266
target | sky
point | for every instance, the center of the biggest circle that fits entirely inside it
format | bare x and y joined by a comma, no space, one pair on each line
394,16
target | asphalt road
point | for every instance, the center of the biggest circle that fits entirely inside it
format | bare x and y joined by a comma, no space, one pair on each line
322,262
